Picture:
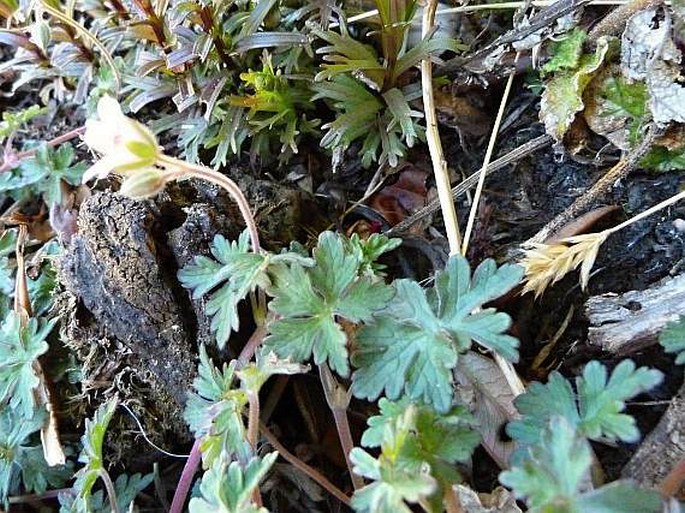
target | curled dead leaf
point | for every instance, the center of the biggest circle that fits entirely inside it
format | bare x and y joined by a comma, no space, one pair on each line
500,500
648,53
404,197
485,389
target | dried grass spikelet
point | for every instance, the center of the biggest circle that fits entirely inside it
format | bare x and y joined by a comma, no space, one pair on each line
546,264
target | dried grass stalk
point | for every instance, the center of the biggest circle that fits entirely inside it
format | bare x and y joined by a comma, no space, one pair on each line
546,264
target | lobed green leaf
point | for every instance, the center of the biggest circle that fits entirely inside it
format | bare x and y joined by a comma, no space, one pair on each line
413,345
673,339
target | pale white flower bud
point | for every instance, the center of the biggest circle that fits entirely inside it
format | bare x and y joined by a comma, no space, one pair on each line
125,144
143,184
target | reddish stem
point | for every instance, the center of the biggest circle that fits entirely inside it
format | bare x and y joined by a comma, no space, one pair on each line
13,159
186,480
674,480
317,476
195,457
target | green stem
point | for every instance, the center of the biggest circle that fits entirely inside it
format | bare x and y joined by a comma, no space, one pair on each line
252,434
111,493
253,411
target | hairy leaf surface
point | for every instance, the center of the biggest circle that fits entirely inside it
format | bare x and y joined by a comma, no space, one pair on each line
414,344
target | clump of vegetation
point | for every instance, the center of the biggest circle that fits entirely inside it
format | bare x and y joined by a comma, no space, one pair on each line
207,79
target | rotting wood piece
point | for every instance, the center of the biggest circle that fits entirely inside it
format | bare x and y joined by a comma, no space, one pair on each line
662,449
623,323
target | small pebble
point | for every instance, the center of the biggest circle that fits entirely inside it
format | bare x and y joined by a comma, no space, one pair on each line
679,225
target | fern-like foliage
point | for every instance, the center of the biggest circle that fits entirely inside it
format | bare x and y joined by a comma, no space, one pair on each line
310,302
20,347
21,458
594,409
91,455
214,411
227,487
419,450
364,88
274,104
673,339
232,273
554,473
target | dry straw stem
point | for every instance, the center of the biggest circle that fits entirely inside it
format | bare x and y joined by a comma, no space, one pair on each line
488,157
507,369
442,180
546,264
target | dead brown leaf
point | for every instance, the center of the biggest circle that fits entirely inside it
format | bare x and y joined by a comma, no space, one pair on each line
403,198
483,386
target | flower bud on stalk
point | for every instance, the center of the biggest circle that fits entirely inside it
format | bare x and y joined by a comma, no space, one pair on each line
143,184
126,145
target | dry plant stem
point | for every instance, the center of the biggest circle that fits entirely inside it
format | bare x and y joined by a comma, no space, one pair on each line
506,367
651,210
338,399
486,160
513,380
111,492
615,22
15,158
514,155
180,170
186,479
481,7
674,480
22,300
451,501
442,180
252,418
35,497
301,465
541,20
621,170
